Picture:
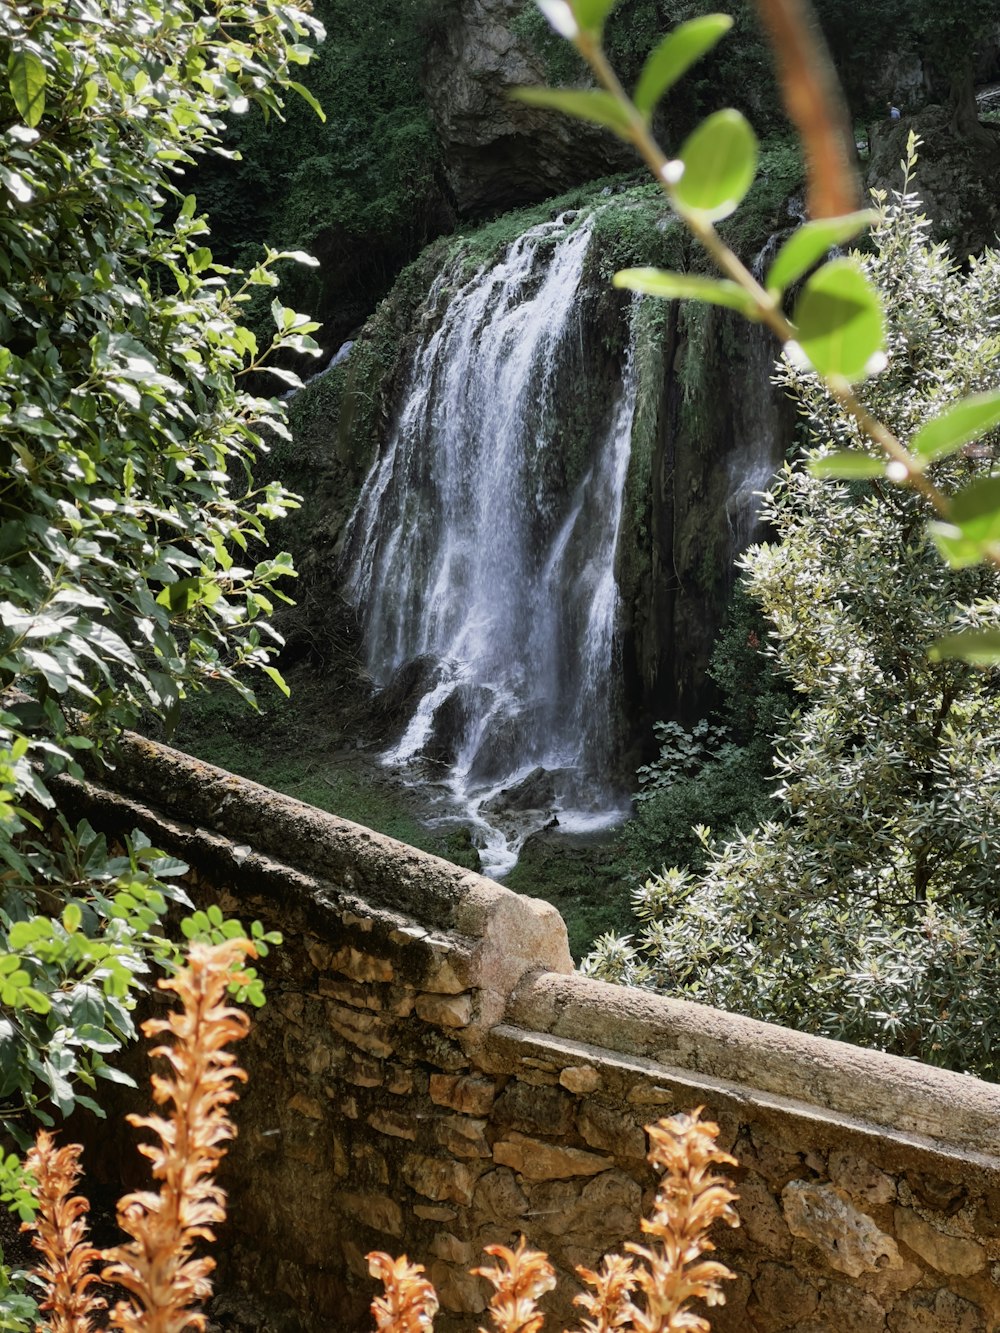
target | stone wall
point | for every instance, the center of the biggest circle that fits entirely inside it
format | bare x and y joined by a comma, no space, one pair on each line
430,1075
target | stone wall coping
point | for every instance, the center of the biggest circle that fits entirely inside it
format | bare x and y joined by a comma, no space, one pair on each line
522,965
953,1113
663,1088
380,870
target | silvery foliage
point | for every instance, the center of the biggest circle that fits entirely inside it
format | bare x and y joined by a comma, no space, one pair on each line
867,909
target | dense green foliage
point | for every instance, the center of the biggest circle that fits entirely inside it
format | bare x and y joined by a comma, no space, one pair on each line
128,512
359,189
720,771
869,911
739,71
948,39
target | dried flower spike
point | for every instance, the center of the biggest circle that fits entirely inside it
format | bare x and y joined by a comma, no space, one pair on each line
610,1307
521,1276
690,1198
158,1265
409,1304
67,1269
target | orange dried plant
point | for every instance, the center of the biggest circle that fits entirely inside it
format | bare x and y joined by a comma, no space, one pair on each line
60,1227
159,1266
690,1198
410,1303
518,1279
609,1307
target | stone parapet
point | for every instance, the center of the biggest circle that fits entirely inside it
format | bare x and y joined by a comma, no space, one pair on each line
430,1076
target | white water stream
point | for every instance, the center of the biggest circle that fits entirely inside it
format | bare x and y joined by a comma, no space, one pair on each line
467,551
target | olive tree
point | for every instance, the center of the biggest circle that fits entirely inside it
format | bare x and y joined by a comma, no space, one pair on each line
866,909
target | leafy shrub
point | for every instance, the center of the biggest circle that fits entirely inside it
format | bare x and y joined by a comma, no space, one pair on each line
718,773
128,511
868,913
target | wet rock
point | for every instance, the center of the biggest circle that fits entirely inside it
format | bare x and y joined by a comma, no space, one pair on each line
451,722
534,792
956,180
497,152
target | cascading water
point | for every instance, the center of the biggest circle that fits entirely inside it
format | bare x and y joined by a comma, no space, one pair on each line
473,553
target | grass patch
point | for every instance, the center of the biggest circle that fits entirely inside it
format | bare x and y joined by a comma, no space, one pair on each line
582,878
285,747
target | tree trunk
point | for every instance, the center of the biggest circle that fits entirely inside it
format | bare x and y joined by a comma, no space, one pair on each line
965,113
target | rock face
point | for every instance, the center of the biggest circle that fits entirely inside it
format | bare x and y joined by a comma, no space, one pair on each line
955,180
499,154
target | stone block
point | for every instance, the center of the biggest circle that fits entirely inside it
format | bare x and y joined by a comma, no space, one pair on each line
447,1011
362,1072
761,1220
782,1298
367,1031
400,1001
955,1255
537,1160
434,1213
860,1179
848,1239
359,966
399,1080
463,1092
439,1178
458,1291
598,1216
534,1110
844,1309
350,992
397,1124
452,1250
302,1104
606,1128
447,974
499,1196
939,1311
377,1211
580,1079
463,1136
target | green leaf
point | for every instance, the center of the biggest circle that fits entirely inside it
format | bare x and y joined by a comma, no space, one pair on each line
674,55
720,158
840,322
980,647
714,291
308,97
598,107
278,679
957,550
958,425
806,246
849,465
975,509
27,85
590,14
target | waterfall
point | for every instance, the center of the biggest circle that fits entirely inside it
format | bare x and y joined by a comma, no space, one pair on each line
758,433
477,552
